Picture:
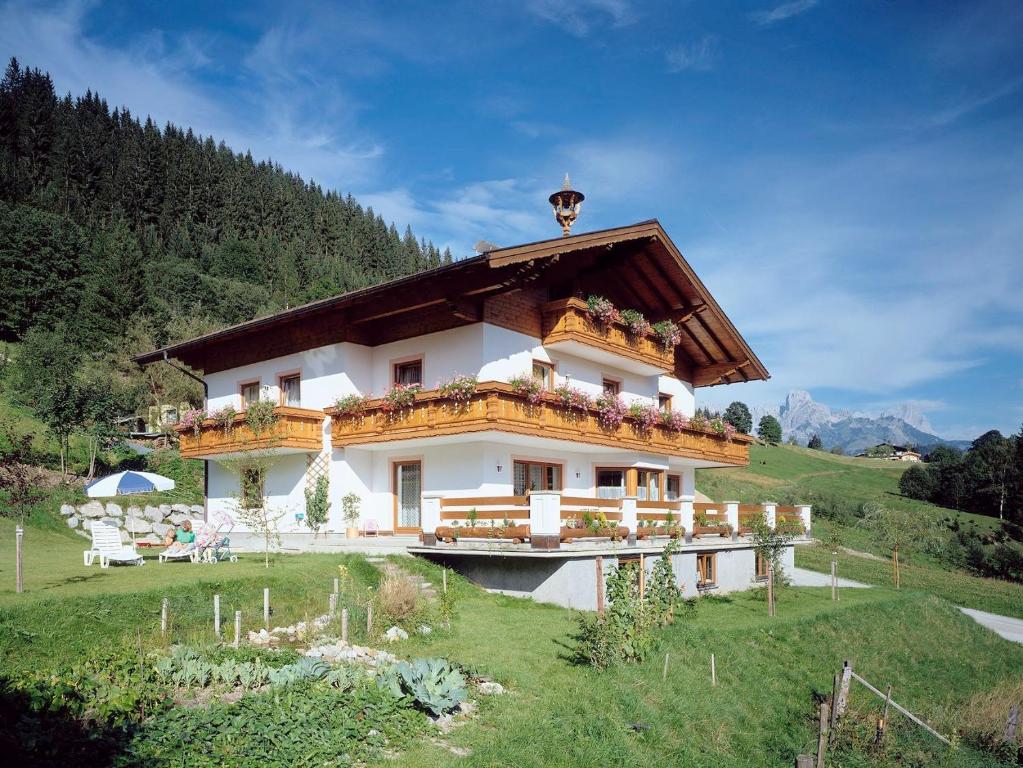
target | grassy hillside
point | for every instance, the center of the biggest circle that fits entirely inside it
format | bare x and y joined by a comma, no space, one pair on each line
557,713
788,474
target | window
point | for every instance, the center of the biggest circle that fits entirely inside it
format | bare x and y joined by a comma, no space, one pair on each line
673,488
648,485
250,394
706,569
610,483
612,387
253,479
535,476
544,373
664,402
291,390
761,568
408,373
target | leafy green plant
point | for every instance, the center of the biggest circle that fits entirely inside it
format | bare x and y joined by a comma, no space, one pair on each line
668,333
432,683
261,417
625,632
459,388
472,516
634,322
350,405
662,592
225,418
317,503
350,503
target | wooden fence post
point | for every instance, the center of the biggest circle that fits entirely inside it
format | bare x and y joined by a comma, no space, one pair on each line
804,761
369,619
834,577
770,589
444,576
664,672
237,628
344,625
163,616
713,671
836,683
843,691
216,615
1011,725
337,585
266,607
600,585
822,734
19,567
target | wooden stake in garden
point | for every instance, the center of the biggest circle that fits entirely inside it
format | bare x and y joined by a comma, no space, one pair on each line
713,671
822,734
369,619
216,615
882,724
344,625
834,576
337,585
1011,724
164,604
600,586
266,607
332,603
664,672
237,628
770,589
19,569
642,576
444,576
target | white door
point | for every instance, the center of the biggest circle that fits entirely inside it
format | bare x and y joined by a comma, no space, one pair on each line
408,489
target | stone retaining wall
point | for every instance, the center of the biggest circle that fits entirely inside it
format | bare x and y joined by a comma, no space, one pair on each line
150,523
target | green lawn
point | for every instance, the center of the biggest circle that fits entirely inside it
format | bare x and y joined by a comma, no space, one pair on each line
789,474
557,713
959,588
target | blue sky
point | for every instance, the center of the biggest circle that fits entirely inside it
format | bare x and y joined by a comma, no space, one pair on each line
847,177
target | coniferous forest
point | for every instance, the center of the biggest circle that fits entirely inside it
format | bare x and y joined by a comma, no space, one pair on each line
114,227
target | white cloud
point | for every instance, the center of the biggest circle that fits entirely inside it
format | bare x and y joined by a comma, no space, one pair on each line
699,56
158,75
782,12
580,17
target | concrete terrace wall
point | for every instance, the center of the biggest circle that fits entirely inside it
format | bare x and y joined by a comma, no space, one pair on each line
571,580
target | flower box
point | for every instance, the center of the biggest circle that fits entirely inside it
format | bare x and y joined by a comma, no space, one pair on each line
648,532
619,533
516,533
723,531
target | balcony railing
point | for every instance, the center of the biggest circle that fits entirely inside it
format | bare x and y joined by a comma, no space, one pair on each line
296,430
568,320
495,406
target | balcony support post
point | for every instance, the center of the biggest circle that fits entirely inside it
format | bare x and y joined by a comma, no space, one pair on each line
430,518
732,516
545,519
804,516
770,509
630,518
687,512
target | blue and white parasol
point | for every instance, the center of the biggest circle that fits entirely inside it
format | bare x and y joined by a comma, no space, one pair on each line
123,483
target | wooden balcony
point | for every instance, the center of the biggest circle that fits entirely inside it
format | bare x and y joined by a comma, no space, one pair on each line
496,407
567,325
298,430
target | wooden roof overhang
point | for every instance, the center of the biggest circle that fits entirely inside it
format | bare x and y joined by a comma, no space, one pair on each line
634,266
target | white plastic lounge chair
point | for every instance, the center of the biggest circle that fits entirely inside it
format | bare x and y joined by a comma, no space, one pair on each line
191,554
106,543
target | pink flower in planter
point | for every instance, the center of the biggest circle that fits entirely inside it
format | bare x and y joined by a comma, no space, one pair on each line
602,310
645,416
675,421
611,411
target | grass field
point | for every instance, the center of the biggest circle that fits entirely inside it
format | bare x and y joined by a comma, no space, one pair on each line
556,712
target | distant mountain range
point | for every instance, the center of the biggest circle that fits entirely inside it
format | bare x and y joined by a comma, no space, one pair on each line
802,417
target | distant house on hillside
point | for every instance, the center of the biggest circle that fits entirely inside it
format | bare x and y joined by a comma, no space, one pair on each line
892,452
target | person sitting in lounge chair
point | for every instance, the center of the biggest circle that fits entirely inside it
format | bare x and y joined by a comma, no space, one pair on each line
180,540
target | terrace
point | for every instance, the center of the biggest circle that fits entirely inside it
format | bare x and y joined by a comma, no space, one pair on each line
498,407
569,327
295,430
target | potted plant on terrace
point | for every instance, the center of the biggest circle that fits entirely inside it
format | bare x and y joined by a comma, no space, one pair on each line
527,386
636,326
602,311
350,504
592,526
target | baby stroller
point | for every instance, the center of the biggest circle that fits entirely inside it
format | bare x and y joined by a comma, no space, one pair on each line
213,542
